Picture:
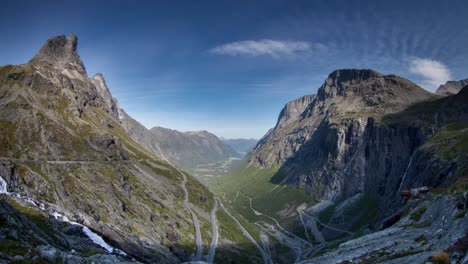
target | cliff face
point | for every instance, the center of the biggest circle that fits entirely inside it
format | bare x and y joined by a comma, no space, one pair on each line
346,97
364,137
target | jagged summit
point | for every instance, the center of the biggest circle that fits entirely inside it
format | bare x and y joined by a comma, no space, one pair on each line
344,75
111,103
293,109
370,87
451,87
100,84
60,52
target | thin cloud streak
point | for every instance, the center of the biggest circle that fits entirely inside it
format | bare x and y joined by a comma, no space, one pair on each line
263,47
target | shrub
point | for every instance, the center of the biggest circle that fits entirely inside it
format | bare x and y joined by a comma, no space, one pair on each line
417,215
441,258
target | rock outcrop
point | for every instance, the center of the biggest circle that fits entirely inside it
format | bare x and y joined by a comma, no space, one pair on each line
110,102
451,87
60,52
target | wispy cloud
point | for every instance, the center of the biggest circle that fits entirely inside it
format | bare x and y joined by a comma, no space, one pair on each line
433,73
263,47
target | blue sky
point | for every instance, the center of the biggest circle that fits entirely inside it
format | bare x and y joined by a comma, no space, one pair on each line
229,66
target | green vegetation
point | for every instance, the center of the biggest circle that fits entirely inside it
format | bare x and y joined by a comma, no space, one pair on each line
35,216
415,216
243,251
451,140
421,238
422,225
12,248
367,209
268,197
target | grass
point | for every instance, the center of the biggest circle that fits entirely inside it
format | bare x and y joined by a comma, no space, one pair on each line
451,140
415,216
12,248
268,197
422,225
421,238
228,229
461,214
369,210
35,217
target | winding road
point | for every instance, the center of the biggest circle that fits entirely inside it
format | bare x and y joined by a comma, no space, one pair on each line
266,257
274,220
294,242
214,241
325,225
196,223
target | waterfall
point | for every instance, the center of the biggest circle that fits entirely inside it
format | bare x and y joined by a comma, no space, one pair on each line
97,239
3,186
406,172
434,127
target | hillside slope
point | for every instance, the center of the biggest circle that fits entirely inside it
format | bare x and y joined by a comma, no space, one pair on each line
190,149
65,154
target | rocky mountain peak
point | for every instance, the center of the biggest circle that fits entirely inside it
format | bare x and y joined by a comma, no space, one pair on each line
337,81
60,52
293,109
345,75
451,87
101,86
110,102
368,90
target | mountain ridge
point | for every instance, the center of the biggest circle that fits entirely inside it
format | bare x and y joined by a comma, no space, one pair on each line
344,159
65,154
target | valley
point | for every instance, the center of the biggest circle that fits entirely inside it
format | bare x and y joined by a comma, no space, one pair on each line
338,179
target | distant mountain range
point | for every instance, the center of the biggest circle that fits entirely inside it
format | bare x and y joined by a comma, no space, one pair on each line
240,145
190,149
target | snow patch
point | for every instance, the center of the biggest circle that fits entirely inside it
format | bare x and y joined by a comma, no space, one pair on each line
90,234
97,239
3,186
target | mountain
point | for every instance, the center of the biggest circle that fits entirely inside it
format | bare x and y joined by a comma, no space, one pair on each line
451,87
185,150
332,167
76,187
82,181
241,145
190,149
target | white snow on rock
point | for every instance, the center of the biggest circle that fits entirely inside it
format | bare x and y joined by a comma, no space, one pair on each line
97,239
3,186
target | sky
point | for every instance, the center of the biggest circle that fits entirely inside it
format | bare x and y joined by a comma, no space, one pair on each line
230,66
